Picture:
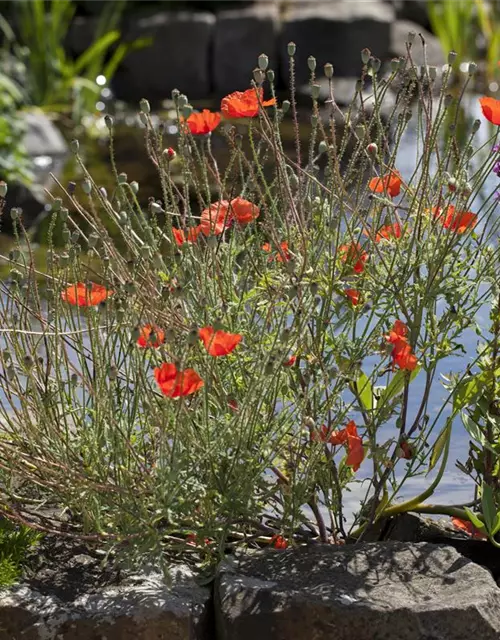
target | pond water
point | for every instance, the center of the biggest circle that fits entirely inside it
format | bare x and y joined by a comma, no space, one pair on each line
455,487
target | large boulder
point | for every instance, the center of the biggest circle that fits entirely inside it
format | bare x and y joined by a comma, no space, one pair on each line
240,37
74,598
399,36
336,33
178,58
390,591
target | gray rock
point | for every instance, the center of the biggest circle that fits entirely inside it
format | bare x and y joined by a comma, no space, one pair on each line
42,137
140,608
178,58
240,37
390,591
414,10
399,36
336,33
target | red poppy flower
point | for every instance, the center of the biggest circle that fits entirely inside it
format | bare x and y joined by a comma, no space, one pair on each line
193,540
356,453
467,527
390,183
244,211
290,362
279,542
398,332
216,218
403,357
244,104
174,383
389,231
82,296
458,221
354,296
203,122
181,237
219,343
354,255
233,405
282,256
491,109
145,340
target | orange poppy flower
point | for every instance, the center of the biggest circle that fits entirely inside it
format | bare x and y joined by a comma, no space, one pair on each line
244,211
279,542
216,218
403,357
82,296
244,104
282,256
390,183
174,383
458,221
398,332
491,109
144,340
389,231
219,343
354,296
181,237
467,527
203,122
356,453
407,450
354,255
290,362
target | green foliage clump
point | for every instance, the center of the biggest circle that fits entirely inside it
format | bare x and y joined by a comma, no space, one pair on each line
16,542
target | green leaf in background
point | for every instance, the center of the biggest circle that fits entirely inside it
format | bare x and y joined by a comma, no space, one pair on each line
397,384
473,429
439,445
488,507
365,391
469,389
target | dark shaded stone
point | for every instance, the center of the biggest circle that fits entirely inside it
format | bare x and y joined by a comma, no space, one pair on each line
81,35
336,33
414,10
177,59
387,591
240,37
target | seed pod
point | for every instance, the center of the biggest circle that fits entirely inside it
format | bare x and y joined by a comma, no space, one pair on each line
122,178
291,49
93,239
144,106
394,64
452,56
285,106
108,121
182,100
63,214
86,186
475,125
3,189
365,55
315,91
472,68
15,213
263,62
134,185
322,147
311,63
66,235
270,76
372,149
74,146
328,70
259,76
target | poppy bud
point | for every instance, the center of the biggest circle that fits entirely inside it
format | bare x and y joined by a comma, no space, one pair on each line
11,373
122,178
311,63
372,149
328,69
175,95
411,37
74,145
314,287
63,214
472,68
123,218
270,76
322,147
475,125
315,89
432,73
309,422
187,111
192,337
3,189
86,186
182,100
15,275
66,235
156,208
92,240
134,185
467,189
259,76
112,372
56,204
144,106
452,56
169,154
103,192
452,184
291,49
285,106
394,64
73,379
365,55
15,213
75,236
263,62
28,361
108,121
375,64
